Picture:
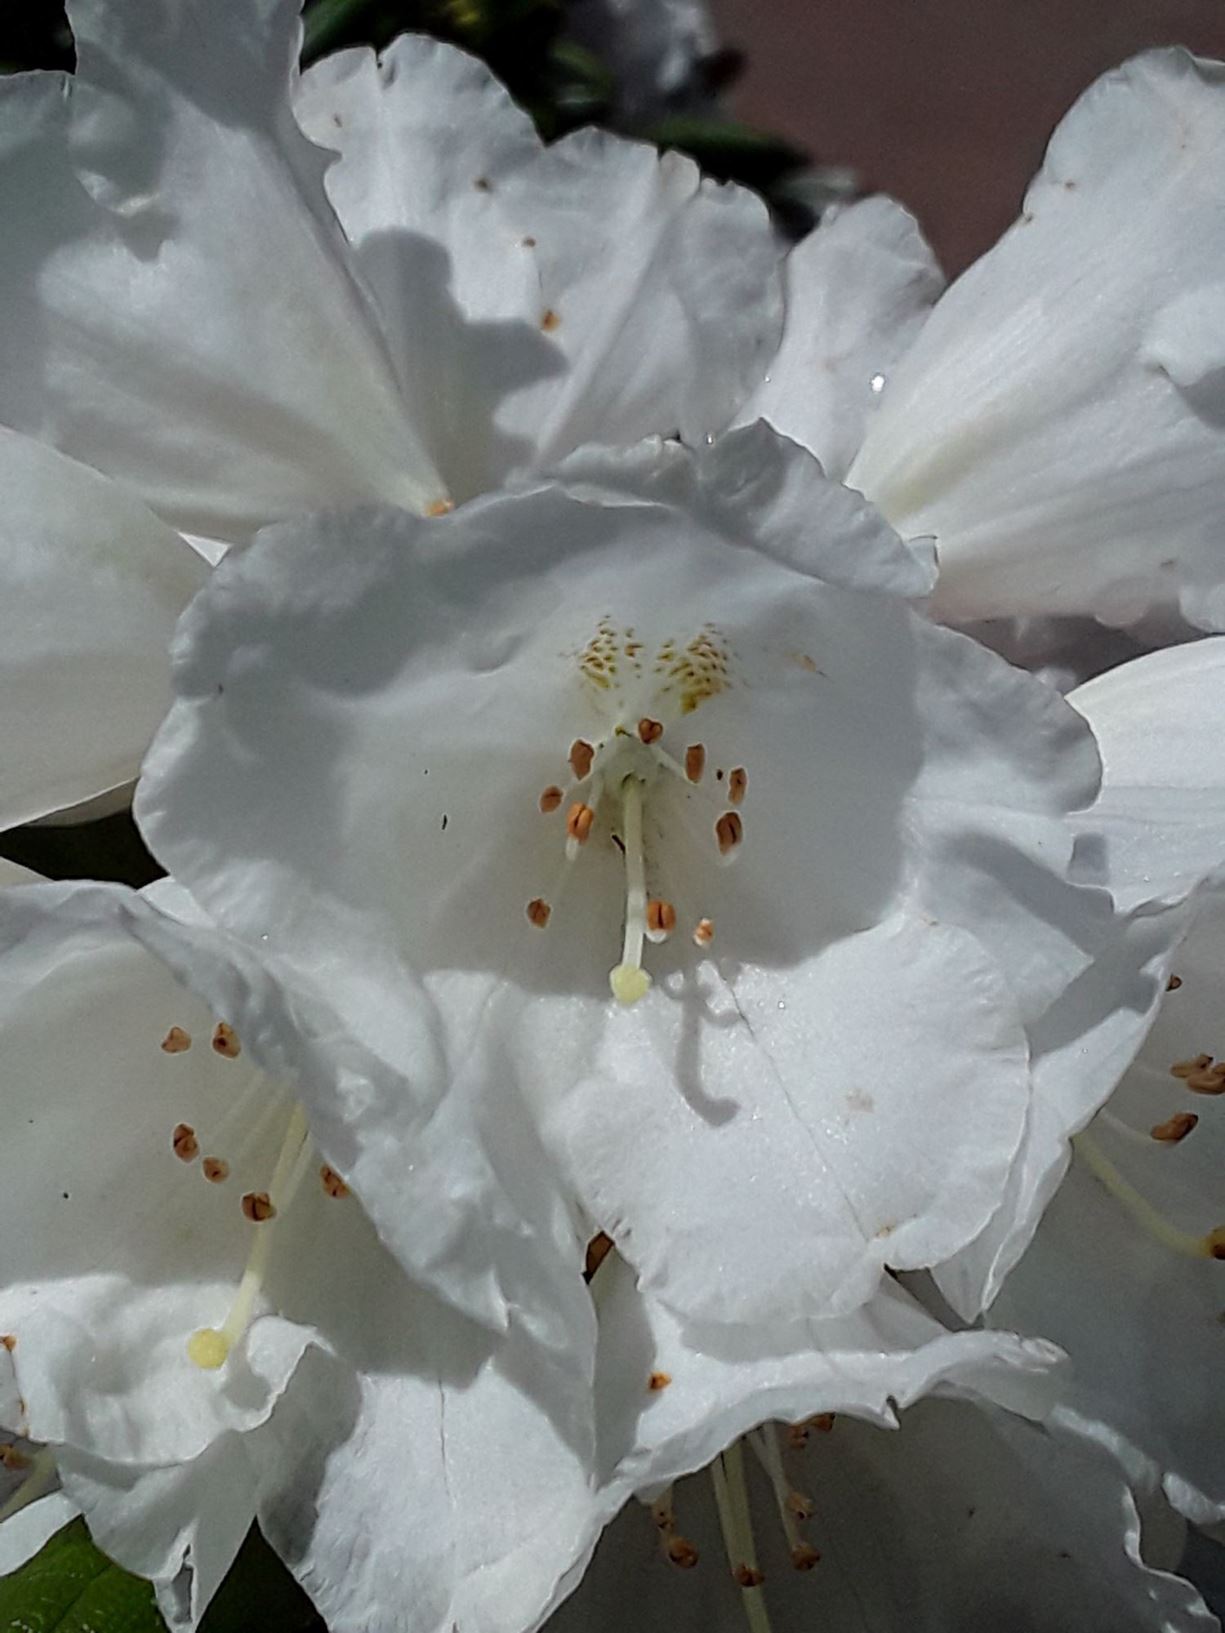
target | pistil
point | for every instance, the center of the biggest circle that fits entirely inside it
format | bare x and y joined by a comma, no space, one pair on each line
1210,1246
628,980
732,1501
209,1347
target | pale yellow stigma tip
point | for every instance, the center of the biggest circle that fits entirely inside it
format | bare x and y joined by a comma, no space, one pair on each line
629,983
208,1349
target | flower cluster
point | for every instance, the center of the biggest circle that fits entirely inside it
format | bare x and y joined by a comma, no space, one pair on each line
654,975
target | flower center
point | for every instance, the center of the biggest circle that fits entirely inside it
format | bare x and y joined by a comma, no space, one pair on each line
639,762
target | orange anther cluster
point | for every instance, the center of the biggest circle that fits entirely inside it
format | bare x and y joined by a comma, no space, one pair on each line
661,916
225,1041
176,1040
650,730
704,932
729,831
748,1576
1188,1068
579,820
551,798
737,784
215,1170
183,1142
581,757
332,1182
695,761
1174,1128
538,912
257,1207
658,1381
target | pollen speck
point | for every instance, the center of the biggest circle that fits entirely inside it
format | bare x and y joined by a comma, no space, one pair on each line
539,912
183,1142
440,507
257,1207
551,798
332,1182
804,1556
215,1169
650,730
748,1576
579,820
176,1040
549,320
704,932
1174,1128
658,1381
737,785
729,831
225,1041
695,762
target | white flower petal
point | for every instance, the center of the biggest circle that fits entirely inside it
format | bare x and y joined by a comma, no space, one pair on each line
1058,423
1162,808
460,1496
24,1533
857,290
538,298
371,708
180,309
91,584
964,1518
1141,1321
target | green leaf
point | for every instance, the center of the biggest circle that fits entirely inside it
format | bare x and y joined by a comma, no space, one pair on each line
72,1587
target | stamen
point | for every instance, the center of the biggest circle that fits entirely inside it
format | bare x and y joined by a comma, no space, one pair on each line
731,1499
1173,984
258,1207
792,1505
183,1142
176,1041
729,832
649,730
628,980
1211,1246
1188,1068
579,821
678,1550
695,761
582,757
539,912
1211,1081
332,1182
551,798
209,1347
658,1381
215,1169
225,1041
439,507
737,785
703,932
798,1433
1174,1128
661,919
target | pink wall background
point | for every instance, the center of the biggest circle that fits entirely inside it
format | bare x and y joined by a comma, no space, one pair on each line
945,103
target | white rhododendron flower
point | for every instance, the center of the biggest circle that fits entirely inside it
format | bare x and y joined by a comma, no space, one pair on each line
200,1326
187,313
745,875
1056,420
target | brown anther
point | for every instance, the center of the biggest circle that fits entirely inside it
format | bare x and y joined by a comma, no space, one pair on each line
581,758
1214,1243
729,831
658,1381
215,1169
9,1341
661,916
257,1206
1188,1068
737,784
1173,984
1174,1128
440,507
551,798
748,1576
804,1556
1211,1081
598,1249
579,819
11,1458
332,1182
797,1436
799,1505
681,1552
704,932
549,320
183,1142
225,1041
538,912
695,761
176,1040
650,730
822,1423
